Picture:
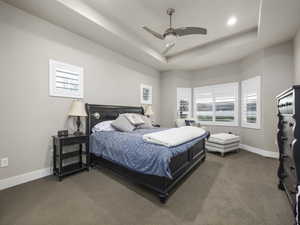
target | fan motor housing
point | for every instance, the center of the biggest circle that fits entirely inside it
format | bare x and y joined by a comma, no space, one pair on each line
170,31
170,11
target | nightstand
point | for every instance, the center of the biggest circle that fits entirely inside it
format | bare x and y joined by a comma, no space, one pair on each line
60,167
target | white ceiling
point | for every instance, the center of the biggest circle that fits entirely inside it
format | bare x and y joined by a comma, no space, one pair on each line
117,24
211,14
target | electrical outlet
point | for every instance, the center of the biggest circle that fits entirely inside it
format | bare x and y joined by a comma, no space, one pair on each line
4,162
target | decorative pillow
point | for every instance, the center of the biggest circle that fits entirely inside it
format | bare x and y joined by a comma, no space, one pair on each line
190,122
123,124
134,118
103,126
147,123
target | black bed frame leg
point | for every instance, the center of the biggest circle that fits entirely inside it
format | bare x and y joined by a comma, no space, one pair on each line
163,198
280,186
92,163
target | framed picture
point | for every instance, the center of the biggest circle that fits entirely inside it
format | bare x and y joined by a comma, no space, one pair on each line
146,94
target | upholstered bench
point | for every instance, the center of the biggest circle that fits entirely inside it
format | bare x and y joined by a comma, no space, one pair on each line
223,142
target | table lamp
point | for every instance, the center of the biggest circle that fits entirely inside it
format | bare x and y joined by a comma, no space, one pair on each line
77,110
149,112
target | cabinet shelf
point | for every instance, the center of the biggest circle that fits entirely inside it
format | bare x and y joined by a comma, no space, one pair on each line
73,168
72,154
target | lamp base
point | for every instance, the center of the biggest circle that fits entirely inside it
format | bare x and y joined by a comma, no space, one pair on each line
78,133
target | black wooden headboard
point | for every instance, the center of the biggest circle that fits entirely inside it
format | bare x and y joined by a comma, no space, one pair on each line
99,113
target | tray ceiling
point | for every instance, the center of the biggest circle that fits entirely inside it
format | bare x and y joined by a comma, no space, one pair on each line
117,24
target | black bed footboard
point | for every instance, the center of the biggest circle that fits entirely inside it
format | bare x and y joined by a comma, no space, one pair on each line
180,166
181,162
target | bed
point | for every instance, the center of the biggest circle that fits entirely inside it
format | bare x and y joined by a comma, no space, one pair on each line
122,152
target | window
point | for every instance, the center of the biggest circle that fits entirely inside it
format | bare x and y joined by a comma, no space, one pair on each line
251,103
65,80
217,104
184,102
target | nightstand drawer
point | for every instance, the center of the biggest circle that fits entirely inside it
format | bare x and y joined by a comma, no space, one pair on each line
75,140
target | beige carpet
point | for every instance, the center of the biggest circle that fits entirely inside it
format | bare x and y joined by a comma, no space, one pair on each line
240,189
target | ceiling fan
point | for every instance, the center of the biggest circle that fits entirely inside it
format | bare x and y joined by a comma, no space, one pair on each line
171,34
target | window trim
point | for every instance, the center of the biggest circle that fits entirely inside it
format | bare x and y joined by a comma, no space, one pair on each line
256,125
56,65
235,123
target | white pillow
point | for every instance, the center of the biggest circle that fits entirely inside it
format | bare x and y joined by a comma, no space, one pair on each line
103,126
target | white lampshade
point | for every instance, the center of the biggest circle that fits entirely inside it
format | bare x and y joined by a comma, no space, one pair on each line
77,109
149,111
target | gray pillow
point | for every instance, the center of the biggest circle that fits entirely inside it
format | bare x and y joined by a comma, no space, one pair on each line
122,124
147,123
134,118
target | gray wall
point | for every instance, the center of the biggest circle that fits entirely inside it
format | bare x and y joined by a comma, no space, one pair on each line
169,82
297,57
28,115
274,64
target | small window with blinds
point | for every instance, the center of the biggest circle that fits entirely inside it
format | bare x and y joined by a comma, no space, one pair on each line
217,104
251,103
184,102
65,80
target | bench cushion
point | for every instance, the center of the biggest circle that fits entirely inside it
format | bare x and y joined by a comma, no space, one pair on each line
223,138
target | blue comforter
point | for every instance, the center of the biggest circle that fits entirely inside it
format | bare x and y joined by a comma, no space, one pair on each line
130,150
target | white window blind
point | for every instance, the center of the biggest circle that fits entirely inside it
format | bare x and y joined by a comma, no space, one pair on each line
251,106
65,80
217,104
203,104
184,102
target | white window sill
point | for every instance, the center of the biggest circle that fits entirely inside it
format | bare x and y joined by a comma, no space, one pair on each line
251,126
229,124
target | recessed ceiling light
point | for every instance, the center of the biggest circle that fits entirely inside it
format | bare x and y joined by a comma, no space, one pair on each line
231,21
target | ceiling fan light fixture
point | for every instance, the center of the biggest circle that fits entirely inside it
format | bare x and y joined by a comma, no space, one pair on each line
170,38
170,35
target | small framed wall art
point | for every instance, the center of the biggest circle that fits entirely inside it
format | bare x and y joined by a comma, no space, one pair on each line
146,94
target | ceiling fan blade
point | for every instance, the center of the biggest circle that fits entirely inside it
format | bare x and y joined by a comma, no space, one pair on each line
168,47
182,31
154,33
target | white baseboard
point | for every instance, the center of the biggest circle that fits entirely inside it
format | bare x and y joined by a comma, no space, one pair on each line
259,151
24,178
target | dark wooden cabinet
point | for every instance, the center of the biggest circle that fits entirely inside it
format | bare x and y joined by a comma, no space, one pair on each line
61,168
288,137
